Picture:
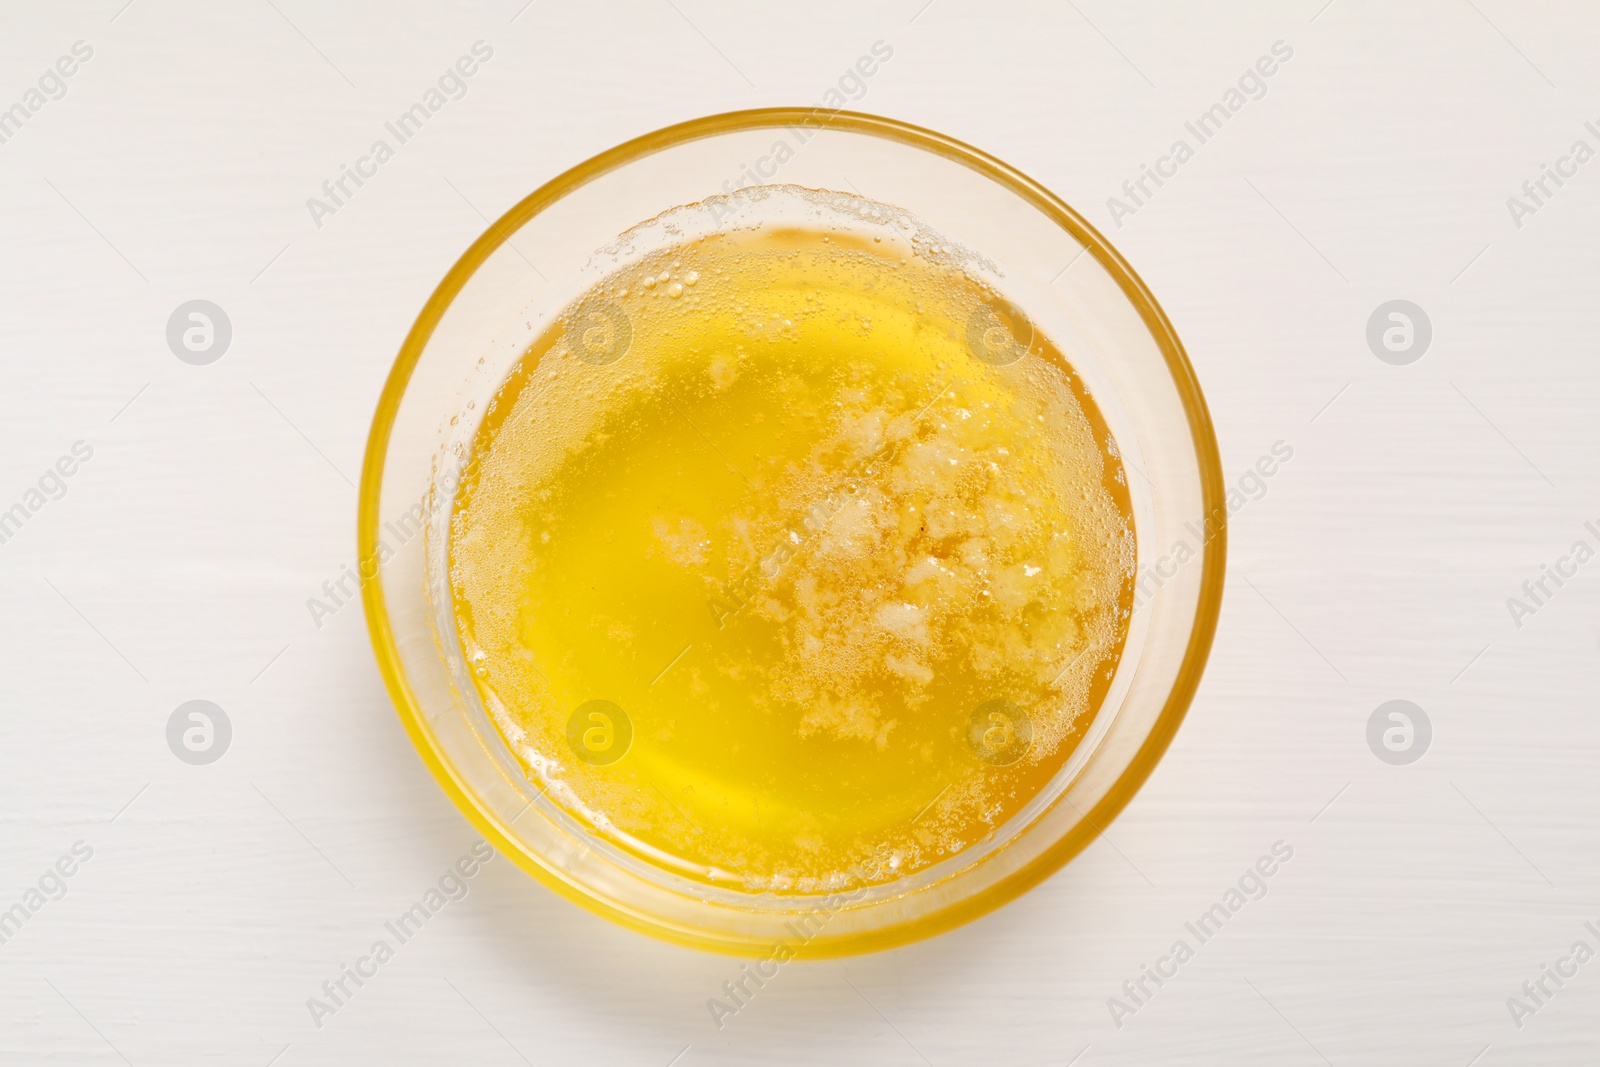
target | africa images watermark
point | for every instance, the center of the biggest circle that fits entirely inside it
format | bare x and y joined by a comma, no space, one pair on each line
1252,85
1252,487
850,87
1540,190
52,85
1537,591
51,886
345,588
1536,992
740,991
451,886
52,485
1251,886
452,85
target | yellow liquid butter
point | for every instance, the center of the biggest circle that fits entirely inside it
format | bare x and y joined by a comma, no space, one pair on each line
779,564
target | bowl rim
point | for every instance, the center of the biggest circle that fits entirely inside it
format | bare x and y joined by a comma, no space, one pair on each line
1207,608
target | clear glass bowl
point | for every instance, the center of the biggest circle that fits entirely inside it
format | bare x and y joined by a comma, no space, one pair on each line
519,275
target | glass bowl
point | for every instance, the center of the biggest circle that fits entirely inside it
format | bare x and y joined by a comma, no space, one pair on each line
520,274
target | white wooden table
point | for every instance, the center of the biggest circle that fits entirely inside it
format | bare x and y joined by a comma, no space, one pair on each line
175,562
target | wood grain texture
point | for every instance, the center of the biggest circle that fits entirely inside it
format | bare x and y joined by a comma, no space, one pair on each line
1376,565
